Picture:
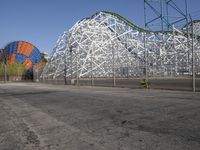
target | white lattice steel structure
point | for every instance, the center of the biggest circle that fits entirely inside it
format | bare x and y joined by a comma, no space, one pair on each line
196,27
107,45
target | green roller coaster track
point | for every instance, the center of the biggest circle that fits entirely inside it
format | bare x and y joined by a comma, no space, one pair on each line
135,27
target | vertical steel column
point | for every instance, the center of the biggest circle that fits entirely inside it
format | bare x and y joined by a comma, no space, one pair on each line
161,15
193,57
167,12
175,53
65,70
92,78
145,15
187,28
113,52
70,49
77,74
146,59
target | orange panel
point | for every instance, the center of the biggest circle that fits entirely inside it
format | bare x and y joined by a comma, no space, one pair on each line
25,48
19,47
12,58
28,63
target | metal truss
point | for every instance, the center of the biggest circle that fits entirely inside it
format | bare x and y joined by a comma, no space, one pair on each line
107,45
164,14
196,27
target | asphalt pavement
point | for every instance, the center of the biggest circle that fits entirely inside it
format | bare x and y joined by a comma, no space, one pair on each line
37,116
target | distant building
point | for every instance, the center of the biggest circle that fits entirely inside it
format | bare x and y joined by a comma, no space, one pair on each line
45,56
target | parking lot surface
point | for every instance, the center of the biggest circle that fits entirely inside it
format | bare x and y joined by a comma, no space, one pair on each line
37,116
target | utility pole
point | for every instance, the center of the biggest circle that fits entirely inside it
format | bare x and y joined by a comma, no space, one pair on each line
193,56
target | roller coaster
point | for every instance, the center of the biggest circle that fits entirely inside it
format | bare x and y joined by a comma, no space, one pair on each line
106,45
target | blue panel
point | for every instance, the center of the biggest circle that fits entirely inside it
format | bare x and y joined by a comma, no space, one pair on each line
15,46
20,58
8,50
35,56
11,48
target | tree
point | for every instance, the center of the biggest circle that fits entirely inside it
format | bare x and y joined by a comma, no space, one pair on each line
14,69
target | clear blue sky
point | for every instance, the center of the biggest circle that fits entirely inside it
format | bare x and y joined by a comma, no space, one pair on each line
40,22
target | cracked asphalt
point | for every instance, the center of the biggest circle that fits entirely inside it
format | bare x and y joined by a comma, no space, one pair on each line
37,116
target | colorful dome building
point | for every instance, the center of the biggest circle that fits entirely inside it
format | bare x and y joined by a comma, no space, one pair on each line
25,53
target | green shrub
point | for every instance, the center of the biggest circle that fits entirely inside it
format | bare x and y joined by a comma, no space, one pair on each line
145,83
